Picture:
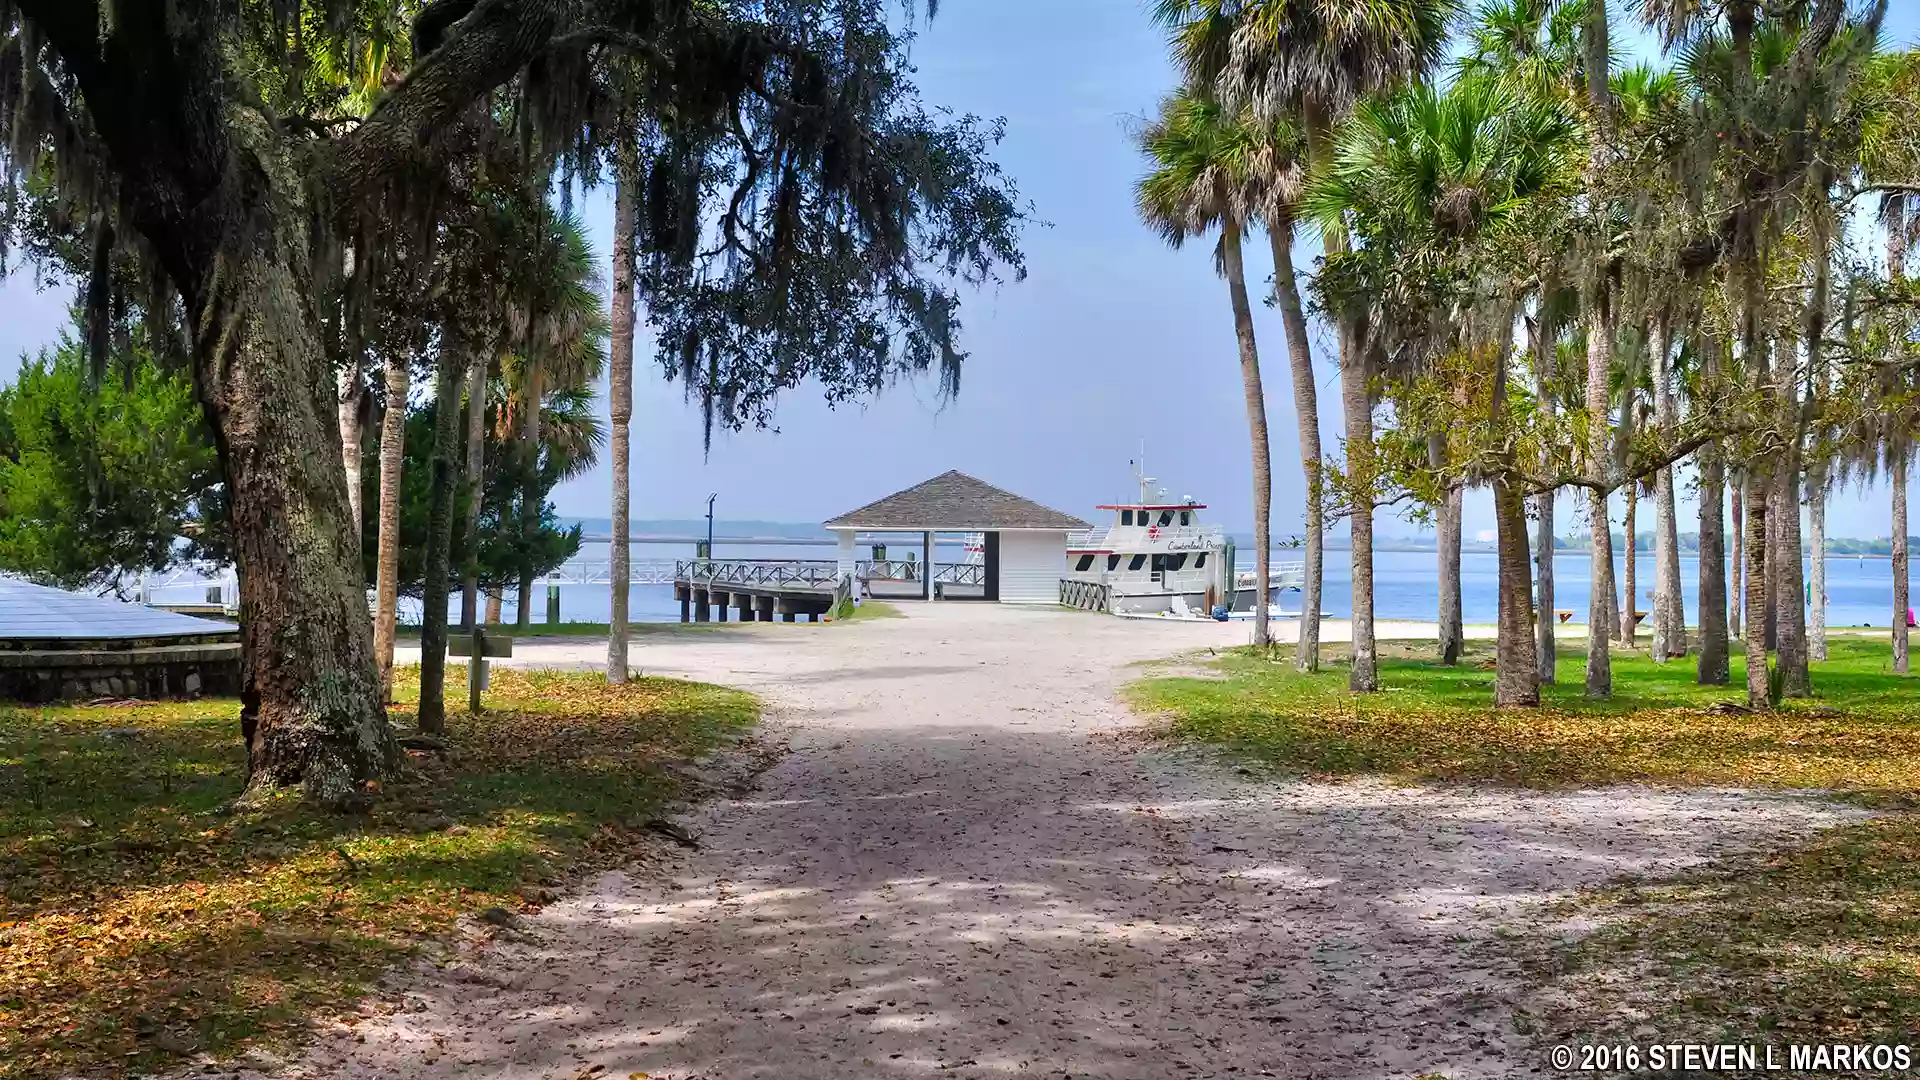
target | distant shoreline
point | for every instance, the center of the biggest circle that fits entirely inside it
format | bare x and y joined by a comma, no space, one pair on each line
758,533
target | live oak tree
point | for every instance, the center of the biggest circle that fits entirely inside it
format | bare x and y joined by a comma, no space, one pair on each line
189,131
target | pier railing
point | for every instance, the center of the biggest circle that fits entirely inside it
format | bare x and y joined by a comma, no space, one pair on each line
1085,595
786,573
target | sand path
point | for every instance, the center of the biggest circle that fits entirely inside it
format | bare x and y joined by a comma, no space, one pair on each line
959,872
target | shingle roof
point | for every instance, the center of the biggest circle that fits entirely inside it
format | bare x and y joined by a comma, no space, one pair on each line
955,501
35,611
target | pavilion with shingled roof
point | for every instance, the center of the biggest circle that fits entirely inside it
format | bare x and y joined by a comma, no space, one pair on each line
1025,543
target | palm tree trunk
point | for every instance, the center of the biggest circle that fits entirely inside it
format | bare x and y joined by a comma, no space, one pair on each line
1790,582
1447,549
393,429
1630,571
1306,410
1669,609
1755,599
1356,406
1599,682
1546,617
1736,611
1516,670
352,392
1452,627
476,489
444,481
620,406
1902,602
530,489
1256,423
1817,554
1713,670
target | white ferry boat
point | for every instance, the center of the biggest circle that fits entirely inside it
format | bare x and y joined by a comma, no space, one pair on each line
1159,560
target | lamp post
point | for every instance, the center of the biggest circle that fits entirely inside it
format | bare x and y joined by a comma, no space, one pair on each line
707,551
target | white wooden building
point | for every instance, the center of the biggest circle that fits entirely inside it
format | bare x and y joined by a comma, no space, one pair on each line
1025,543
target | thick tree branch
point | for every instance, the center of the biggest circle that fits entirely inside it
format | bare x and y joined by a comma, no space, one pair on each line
483,49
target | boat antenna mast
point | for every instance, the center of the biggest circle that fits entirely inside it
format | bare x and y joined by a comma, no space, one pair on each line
1140,474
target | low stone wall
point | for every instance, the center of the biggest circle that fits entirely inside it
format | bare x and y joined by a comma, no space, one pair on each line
145,671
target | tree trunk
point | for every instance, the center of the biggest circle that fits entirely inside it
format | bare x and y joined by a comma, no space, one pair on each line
1902,602
1790,581
310,700
1599,682
1516,670
1306,410
1755,600
393,428
352,392
1546,617
1256,424
1714,668
620,406
535,395
1356,407
1447,547
444,481
1669,608
1817,555
1736,611
1630,571
493,607
476,473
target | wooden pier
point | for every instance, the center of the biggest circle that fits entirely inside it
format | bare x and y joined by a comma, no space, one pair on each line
760,589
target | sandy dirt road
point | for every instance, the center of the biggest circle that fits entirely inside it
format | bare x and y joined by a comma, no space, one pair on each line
961,871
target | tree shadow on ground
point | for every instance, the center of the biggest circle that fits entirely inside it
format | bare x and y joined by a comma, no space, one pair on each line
975,902
143,916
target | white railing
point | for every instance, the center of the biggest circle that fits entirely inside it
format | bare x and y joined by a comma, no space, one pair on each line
600,572
1280,575
788,573
1088,538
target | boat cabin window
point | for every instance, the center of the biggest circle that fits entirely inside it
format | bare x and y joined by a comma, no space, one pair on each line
1200,561
1186,517
1137,562
1166,518
1086,563
1113,562
1126,517
1169,562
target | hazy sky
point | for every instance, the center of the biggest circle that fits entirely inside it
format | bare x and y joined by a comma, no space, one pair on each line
1112,339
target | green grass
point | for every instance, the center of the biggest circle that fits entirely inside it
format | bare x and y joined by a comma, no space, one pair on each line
141,919
1861,731
872,609
1816,943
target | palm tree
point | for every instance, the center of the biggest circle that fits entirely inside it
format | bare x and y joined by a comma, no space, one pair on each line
626,200
387,556
1311,61
1203,176
1438,188
560,332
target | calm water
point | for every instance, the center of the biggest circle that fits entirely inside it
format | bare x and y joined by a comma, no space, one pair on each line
1859,591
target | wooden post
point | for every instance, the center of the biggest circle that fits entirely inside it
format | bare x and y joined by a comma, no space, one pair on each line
926,563
702,605
553,604
722,601
765,603
684,594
